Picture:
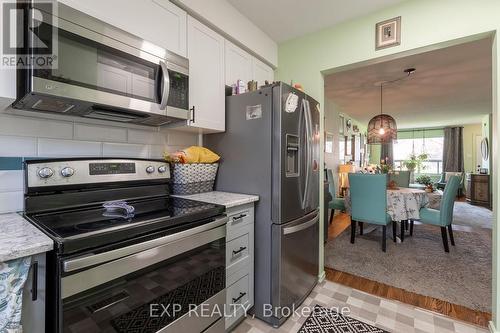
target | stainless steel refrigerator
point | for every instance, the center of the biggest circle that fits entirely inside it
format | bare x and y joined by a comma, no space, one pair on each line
271,148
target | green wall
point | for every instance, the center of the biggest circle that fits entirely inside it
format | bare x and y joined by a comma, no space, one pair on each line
426,24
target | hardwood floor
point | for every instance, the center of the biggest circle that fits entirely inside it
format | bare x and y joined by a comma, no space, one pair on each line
340,223
433,304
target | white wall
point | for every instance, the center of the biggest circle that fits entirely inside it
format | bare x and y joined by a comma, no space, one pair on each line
229,21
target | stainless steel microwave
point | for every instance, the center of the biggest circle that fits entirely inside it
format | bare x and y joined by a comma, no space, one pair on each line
102,72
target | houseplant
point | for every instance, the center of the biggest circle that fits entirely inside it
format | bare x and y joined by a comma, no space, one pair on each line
415,162
427,181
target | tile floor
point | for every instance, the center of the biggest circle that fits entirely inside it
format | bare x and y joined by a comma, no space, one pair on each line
389,315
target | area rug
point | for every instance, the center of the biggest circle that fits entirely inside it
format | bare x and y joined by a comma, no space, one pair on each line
420,265
323,320
472,216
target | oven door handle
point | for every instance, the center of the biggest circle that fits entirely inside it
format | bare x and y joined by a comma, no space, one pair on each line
99,258
166,85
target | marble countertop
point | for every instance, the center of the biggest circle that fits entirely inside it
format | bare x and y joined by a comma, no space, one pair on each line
19,238
222,198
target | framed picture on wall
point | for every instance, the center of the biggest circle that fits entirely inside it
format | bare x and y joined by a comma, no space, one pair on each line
388,33
341,124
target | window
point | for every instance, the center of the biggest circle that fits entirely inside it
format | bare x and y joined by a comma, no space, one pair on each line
433,148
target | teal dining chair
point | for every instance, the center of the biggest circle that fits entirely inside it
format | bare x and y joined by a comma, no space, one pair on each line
336,203
443,217
402,178
369,203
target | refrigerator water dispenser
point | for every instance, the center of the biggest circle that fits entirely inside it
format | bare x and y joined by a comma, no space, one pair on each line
292,155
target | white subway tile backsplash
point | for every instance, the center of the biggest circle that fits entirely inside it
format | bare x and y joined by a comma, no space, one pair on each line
176,138
100,133
125,150
11,201
11,180
152,137
157,151
17,146
24,136
35,127
68,148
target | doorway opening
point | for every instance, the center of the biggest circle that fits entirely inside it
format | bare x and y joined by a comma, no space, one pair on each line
444,123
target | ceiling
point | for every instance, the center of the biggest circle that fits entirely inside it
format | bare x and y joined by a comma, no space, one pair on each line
287,19
451,86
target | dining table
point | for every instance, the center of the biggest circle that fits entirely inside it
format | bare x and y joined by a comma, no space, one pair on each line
403,204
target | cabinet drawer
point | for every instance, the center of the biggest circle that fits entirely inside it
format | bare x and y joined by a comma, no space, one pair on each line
237,300
238,253
237,220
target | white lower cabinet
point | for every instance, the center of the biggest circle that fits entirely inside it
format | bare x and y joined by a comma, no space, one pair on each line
239,263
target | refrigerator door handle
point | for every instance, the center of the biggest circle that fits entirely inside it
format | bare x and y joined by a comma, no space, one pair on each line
299,227
306,122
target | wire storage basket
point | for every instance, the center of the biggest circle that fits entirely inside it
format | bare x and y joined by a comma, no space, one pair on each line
193,178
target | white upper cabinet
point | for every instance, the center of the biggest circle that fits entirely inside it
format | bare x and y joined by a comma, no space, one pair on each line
206,77
169,27
262,72
238,64
157,21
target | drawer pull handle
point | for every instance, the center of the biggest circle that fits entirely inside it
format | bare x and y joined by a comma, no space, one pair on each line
242,248
34,281
239,297
236,218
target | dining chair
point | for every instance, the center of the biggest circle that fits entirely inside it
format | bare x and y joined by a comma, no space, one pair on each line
369,203
402,178
444,216
336,203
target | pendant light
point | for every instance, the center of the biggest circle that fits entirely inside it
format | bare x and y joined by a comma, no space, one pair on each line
382,129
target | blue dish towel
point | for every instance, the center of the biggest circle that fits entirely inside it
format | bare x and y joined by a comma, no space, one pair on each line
13,275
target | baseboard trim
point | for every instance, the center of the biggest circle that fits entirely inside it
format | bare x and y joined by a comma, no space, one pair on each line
492,327
321,276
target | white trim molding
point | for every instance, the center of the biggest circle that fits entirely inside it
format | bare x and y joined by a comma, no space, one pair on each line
322,276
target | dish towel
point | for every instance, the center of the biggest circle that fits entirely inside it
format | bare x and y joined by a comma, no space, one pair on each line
13,275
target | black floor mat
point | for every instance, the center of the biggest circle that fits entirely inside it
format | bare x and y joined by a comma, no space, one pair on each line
323,320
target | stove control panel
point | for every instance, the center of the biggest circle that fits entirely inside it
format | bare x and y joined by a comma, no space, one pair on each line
45,172
111,168
81,172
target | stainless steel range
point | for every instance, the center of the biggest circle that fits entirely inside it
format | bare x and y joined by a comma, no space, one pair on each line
128,257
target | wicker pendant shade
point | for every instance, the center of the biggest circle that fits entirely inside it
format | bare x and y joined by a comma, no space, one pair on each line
382,129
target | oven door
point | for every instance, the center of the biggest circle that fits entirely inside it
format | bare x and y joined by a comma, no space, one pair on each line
102,72
156,289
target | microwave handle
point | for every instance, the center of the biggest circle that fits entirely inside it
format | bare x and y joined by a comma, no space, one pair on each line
166,85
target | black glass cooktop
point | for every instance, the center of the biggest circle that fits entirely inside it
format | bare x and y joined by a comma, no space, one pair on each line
97,221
